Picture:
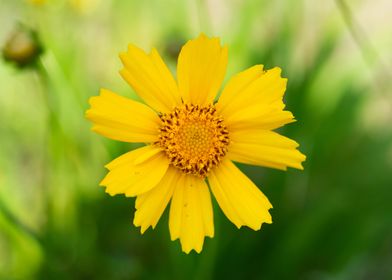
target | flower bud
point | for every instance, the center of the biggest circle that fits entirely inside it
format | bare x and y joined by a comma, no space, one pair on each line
22,47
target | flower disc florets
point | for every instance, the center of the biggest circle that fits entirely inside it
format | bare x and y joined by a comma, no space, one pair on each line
194,138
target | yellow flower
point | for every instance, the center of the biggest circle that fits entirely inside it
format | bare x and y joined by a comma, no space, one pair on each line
191,140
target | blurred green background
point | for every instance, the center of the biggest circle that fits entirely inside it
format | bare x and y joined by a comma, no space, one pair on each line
331,221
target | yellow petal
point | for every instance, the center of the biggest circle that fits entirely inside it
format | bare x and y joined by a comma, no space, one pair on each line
130,176
122,119
148,75
237,84
150,205
191,216
253,98
201,69
241,201
265,148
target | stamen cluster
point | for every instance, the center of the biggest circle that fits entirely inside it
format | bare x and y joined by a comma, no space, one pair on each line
194,137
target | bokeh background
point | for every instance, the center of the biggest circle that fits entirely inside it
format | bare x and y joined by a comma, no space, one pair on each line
331,221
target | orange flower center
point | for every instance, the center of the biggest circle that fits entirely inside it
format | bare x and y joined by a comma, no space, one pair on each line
194,137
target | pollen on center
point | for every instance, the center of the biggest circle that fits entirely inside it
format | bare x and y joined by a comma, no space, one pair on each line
194,138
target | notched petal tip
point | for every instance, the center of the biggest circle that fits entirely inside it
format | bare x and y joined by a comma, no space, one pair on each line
87,113
109,192
103,182
95,129
188,249
301,161
138,223
105,92
124,73
300,167
94,99
276,70
132,47
123,56
173,237
202,35
143,228
257,67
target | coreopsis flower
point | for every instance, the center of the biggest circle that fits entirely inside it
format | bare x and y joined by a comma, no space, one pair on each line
191,140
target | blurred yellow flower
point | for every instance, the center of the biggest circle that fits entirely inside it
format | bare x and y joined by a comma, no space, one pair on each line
82,6
191,140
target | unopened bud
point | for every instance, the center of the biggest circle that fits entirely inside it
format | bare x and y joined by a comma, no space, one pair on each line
22,47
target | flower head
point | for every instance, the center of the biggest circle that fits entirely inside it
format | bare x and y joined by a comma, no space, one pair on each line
192,140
